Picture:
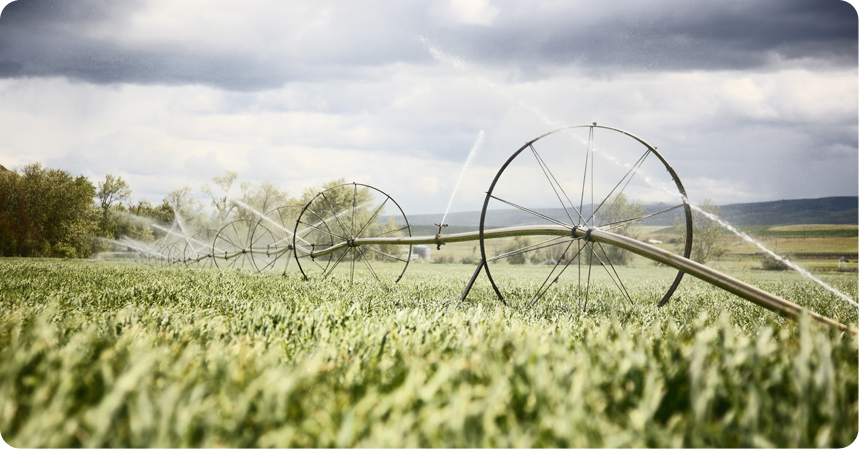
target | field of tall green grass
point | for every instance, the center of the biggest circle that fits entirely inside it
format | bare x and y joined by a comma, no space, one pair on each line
104,354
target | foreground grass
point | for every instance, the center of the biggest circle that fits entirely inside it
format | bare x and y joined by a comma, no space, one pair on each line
106,355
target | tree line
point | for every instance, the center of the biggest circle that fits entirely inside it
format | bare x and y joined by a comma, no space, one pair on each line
48,212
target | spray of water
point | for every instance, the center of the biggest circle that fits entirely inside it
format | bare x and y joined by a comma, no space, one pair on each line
654,183
170,231
179,221
461,66
261,215
761,247
134,245
479,142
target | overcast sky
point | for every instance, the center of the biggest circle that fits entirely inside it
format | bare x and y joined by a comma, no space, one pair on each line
749,100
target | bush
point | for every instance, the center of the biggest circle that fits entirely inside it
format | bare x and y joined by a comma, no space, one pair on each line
470,260
768,262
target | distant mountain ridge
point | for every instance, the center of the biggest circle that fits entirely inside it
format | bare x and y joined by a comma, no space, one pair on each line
826,210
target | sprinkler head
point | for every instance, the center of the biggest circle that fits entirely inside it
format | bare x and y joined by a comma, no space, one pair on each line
439,243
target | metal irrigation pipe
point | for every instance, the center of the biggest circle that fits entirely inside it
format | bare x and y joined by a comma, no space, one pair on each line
251,251
707,274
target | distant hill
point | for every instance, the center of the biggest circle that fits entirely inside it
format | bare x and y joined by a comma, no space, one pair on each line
827,210
835,210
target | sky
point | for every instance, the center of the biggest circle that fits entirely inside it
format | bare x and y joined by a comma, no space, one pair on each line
748,100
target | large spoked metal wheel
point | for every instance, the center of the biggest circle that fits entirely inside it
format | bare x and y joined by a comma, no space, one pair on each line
237,245
586,177
273,235
342,215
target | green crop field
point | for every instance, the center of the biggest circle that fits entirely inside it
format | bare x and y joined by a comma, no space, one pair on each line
102,354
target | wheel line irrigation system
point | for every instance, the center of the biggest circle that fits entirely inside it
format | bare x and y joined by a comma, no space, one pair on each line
343,227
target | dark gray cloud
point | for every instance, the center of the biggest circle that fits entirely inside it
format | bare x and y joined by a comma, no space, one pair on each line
84,40
45,38
668,35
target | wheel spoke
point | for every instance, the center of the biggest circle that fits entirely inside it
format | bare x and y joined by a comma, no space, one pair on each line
529,248
619,284
579,274
372,218
553,182
393,231
385,254
235,231
534,213
588,153
267,265
352,265
287,262
367,263
326,231
314,260
630,173
335,214
282,243
336,263
613,225
354,206
544,287
588,277
254,241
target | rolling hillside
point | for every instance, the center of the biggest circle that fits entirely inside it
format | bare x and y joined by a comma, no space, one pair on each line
828,210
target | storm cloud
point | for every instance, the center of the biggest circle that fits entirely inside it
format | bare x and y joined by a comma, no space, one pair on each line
751,99
104,42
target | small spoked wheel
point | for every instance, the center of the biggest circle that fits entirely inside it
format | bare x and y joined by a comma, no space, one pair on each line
332,233
238,243
198,249
273,238
167,254
581,178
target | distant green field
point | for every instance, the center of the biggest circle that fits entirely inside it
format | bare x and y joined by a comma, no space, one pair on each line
103,354
803,231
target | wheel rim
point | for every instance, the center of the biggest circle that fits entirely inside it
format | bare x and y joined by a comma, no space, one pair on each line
234,247
164,255
198,249
273,235
573,177
344,213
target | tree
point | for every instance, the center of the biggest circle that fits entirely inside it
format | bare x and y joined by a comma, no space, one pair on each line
617,210
222,203
262,198
183,204
143,208
46,212
13,213
334,202
110,194
516,243
706,232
